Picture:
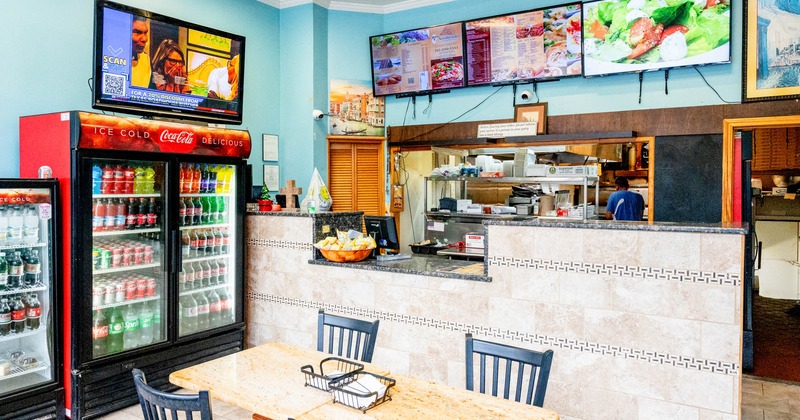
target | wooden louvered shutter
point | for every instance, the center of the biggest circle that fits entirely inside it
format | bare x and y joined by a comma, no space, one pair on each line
356,174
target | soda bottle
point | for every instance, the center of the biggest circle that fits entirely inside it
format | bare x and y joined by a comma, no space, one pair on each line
225,241
189,211
194,244
229,171
138,180
196,175
129,175
214,309
226,306
214,240
97,179
206,273
181,212
199,280
14,236
204,178
111,215
15,271
214,278
119,180
182,178
5,317
202,244
197,217
33,269
202,311
145,325
3,272
98,215
186,244
188,323
188,273
116,331
107,180
99,334
152,215
122,215
18,315
131,335
222,276
156,309
213,216
131,219
34,312
3,226
188,175
141,218
220,209
149,179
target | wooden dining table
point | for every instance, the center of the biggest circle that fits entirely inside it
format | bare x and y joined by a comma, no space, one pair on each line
267,380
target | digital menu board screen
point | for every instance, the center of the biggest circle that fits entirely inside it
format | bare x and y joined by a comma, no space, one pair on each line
418,61
526,46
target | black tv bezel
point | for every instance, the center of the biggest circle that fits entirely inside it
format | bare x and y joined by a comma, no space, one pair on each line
148,110
528,79
715,63
390,223
418,92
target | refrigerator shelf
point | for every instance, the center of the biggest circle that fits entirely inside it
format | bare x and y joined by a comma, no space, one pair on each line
131,195
125,232
126,268
206,195
206,258
213,225
126,302
22,289
204,289
17,246
18,371
26,333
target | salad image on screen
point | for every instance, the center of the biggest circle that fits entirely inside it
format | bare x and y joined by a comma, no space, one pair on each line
639,35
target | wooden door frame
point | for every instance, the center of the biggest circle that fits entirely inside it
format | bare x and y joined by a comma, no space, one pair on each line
729,129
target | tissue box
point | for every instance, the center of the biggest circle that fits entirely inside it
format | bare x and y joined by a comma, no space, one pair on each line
461,205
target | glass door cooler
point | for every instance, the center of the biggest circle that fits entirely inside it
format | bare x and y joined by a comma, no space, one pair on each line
30,343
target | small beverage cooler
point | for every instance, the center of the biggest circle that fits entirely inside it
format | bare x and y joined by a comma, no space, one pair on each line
153,252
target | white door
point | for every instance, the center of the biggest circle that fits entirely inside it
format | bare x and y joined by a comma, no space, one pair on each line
779,274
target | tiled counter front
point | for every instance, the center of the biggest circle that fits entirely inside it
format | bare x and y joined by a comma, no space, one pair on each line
644,323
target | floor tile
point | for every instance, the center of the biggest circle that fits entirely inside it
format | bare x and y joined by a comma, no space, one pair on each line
772,415
752,386
749,413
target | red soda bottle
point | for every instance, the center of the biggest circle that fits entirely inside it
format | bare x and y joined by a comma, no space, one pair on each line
107,180
133,214
189,211
141,218
128,175
111,215
182,177
152,216
119,180
122,215
98,215
181,213
196,175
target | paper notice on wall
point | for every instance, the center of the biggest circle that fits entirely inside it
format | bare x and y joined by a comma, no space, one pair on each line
435,226
499,131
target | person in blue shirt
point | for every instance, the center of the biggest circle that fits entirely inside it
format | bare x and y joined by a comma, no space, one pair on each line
624,204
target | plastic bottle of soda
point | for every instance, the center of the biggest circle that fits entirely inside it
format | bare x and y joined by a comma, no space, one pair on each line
149,179
212,179
99,334
14,235
97,179
214,279
129,176
199,280
194,244
189,274
34,314
152,214
207,274
221,209
200,211
186,244
111,215
182,177
3,226
18,315
131,219
155,307
188,175
213,215
107,177
222,277
202,244
141,218
226,306
5,317
16,271
119,180
145,325
122,215
3,272
131,335
214,241
33,269
225,241
181,212
214,309
205,180
138,180
188,323
116,331
196,175
202,311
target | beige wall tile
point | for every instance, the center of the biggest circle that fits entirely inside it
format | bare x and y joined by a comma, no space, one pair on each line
656,409
721,342
713,259
605,404
584,290
669,250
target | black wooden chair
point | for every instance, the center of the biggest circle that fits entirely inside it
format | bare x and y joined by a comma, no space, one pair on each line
533,365
164,405
347,337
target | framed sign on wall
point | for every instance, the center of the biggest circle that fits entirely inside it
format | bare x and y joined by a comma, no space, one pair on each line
771,53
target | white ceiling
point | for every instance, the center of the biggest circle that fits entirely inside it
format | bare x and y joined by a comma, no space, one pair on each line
363,6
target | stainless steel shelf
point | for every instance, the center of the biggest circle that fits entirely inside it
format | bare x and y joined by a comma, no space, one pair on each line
126,302
131,195
212,225
23,289
125,232
126,268
26,333
204,289
22,245
227,194
17,371
206,258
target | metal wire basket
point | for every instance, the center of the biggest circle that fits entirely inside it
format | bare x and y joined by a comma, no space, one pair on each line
362,390
336,368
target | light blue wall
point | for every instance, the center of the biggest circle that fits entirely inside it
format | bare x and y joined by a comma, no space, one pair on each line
47,48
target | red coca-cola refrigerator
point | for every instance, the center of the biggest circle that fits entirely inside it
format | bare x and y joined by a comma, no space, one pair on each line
153,247
31,384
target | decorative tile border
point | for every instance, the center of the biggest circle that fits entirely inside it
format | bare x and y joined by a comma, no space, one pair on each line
705,365
649,273
272,243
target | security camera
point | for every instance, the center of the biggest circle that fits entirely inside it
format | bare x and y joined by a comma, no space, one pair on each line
317,114
526,95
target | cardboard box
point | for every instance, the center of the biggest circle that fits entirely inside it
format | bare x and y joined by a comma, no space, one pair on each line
779,191
582,170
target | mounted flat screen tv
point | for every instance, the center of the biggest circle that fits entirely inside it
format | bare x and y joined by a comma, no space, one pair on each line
535,45
419,61
621,36
153,65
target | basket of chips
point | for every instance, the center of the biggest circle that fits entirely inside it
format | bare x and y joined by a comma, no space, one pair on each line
348,246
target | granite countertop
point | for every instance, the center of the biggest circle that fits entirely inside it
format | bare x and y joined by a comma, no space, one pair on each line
420,265
730,228
304,213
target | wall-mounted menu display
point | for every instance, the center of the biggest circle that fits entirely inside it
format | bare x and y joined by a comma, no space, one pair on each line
527,46
623,36
418,61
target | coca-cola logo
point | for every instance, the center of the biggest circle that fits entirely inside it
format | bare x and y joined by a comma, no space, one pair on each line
182,137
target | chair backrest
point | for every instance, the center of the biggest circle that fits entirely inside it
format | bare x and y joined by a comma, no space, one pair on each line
529,370
159,405
347,337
